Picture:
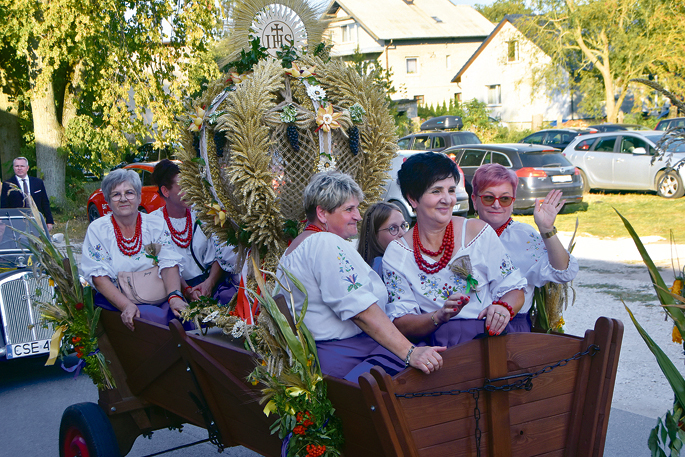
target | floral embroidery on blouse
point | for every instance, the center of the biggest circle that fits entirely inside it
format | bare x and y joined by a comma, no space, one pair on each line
535,247
507,267
345,265
393,284
98,254
432,289
354,285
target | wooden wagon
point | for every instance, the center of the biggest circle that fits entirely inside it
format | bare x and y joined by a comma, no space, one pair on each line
513,395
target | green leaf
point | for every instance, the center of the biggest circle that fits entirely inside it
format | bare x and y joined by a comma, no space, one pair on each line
675,379
657,281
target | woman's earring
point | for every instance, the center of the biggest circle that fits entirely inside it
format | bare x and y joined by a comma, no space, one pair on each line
325,225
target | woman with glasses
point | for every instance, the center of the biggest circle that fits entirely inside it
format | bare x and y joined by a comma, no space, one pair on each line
126,241
538,254
383,222
449,279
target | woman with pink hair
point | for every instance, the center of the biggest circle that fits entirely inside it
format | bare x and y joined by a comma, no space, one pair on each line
538,254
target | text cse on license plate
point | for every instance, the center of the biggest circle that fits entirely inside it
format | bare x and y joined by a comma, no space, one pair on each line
30,348
562,178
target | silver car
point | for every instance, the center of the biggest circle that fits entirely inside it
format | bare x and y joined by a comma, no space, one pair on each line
21,331
394,195
622,160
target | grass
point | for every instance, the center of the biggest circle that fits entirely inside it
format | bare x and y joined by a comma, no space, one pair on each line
649,214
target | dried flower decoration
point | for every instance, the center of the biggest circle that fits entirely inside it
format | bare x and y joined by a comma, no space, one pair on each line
152,251
356,113
289,114
327,119
218,213
326,162
316,93
197,119
301,72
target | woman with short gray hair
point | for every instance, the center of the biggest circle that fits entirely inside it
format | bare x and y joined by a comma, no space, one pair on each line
346,298
126,241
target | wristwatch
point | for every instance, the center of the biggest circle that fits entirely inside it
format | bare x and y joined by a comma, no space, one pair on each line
549,234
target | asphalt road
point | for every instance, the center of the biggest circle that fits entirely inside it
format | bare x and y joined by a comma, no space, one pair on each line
33,397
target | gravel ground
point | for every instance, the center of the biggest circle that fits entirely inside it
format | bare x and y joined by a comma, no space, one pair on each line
611,270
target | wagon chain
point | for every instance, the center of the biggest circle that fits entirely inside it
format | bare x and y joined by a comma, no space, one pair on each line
523,381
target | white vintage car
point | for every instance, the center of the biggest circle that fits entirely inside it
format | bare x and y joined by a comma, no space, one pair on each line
22,333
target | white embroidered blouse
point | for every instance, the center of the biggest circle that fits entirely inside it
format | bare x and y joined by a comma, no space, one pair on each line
339,284
101,255
528,252
412,291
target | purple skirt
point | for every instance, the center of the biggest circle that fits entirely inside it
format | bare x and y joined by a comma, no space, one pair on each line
459,331
350,357
160,314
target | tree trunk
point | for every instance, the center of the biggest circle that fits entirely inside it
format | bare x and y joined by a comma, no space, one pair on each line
48,132
10,136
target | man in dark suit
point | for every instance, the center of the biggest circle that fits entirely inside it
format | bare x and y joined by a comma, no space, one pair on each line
28,185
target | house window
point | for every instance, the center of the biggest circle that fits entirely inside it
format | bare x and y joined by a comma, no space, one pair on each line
349,33
419,99
494,94
512,51
448,61
412,65
457,97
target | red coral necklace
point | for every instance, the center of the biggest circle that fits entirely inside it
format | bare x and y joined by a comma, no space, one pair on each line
184,237
500,230
313,228
129,246
446,248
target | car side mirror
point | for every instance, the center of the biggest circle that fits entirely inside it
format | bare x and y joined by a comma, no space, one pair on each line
640,151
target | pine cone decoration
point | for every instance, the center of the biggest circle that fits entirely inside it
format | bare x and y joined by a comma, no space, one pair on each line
353,134
293,137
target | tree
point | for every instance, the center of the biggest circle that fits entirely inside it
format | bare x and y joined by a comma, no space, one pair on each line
97,70
496,11
604,44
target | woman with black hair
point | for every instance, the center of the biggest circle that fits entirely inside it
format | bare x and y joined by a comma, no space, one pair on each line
204,261
449,279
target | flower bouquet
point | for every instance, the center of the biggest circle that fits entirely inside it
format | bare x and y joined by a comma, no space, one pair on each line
70,310
291,375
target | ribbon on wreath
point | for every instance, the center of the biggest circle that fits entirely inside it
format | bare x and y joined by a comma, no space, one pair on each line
54,345
79,366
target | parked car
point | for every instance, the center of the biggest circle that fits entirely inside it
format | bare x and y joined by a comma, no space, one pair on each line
394,195
150,198
607,127
556,138
539,169
622,160
674,123
21,334
435,137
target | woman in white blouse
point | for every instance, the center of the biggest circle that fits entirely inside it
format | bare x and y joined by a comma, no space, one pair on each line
346,298
203,258
540,257
449,279
115,243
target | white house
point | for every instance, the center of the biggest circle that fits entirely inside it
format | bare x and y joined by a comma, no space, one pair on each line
501,72
423,42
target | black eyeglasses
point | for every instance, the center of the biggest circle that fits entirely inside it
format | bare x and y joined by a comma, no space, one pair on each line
395,229
504,200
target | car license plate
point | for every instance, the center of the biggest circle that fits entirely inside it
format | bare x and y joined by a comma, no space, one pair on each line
562,178
14,351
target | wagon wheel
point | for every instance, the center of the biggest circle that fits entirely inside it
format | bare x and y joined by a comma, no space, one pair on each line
85,431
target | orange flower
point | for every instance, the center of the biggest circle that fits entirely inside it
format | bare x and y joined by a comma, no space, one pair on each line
327,119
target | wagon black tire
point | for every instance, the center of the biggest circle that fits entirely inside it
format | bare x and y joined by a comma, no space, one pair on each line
584,181
85,431
92,213
669,184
